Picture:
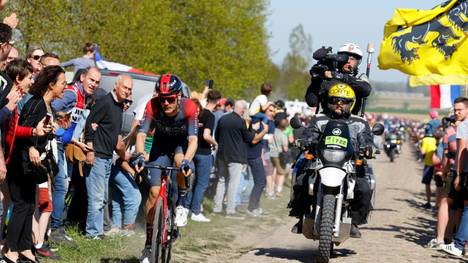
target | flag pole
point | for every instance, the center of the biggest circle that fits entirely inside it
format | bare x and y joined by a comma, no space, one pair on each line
370,50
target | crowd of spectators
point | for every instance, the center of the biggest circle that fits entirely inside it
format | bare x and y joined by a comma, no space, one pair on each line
442,147
62,139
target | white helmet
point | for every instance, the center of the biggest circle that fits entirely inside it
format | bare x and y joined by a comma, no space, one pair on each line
351,48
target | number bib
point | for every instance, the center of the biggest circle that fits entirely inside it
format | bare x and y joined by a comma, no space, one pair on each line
336,140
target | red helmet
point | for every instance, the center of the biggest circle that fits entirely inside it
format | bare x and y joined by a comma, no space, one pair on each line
168,84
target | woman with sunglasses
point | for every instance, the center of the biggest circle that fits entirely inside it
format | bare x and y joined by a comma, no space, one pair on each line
34,56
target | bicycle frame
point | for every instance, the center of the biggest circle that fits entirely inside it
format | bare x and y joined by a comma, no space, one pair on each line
165,188
163,195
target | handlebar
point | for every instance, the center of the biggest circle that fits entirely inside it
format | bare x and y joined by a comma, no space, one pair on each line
170,168
160,167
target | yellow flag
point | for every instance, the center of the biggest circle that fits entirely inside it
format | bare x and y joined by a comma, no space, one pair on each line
434,79
423,42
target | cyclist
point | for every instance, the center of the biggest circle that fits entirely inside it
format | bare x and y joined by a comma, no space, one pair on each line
174,122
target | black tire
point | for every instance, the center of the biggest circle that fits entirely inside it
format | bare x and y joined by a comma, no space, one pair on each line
170,227
326,228
156,240
392,155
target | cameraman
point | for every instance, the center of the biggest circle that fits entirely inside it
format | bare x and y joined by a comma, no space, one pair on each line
342,68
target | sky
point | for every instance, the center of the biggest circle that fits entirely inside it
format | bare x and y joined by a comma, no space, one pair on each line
335,22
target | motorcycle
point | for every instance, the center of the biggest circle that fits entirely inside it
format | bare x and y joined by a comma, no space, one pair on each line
330,168
402,133
391,147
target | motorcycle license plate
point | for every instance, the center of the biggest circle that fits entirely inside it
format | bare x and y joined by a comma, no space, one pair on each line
336,140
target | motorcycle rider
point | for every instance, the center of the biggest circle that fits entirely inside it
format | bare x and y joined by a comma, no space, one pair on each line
320,84
340,101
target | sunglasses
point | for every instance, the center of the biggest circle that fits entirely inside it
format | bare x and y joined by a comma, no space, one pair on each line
335,100
36,57
127,102
169,99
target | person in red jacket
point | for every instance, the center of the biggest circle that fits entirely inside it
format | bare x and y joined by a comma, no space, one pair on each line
20,72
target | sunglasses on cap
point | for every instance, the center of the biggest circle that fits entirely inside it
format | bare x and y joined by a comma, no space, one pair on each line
336,100
169,99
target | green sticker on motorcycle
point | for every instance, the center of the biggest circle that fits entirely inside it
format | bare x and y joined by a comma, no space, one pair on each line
336,140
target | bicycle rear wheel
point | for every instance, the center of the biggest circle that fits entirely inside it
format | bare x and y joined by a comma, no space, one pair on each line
157,238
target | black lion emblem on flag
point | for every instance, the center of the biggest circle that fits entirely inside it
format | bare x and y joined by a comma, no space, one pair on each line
456,17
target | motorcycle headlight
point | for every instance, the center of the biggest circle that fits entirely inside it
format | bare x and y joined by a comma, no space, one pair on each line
333,156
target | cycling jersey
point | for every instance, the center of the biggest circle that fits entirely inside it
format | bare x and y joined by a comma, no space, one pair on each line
170,132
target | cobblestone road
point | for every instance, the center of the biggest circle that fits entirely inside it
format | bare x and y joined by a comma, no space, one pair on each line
397,231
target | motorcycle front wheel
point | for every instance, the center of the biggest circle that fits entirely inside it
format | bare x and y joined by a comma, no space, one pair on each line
326,228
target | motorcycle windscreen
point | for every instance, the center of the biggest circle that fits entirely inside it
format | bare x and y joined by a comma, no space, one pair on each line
335,144
331,176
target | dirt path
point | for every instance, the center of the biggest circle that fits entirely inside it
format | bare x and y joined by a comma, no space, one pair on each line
397,231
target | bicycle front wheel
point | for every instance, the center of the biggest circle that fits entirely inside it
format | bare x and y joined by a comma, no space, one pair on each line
158,233
171,235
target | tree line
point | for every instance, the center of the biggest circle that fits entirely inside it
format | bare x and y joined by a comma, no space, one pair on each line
225,40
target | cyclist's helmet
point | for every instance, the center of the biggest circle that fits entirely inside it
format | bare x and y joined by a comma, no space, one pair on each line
352,50
341,94
168,84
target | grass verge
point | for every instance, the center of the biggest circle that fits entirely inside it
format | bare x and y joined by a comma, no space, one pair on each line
224,239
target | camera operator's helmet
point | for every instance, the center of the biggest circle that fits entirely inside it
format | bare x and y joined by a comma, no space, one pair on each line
341,94
352,50
168,84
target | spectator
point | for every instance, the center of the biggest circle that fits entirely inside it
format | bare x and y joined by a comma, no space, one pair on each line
20,71
261,103
11,20
106,117
74,102
451,195
50,59
458,246
5,43
281,106
279,151
84,62
139,113
434,123
126,196
43,213
427,148
229,105
254,160
268,138
5,82
232,136
22,179
12,55
3,4
33,55
203,159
